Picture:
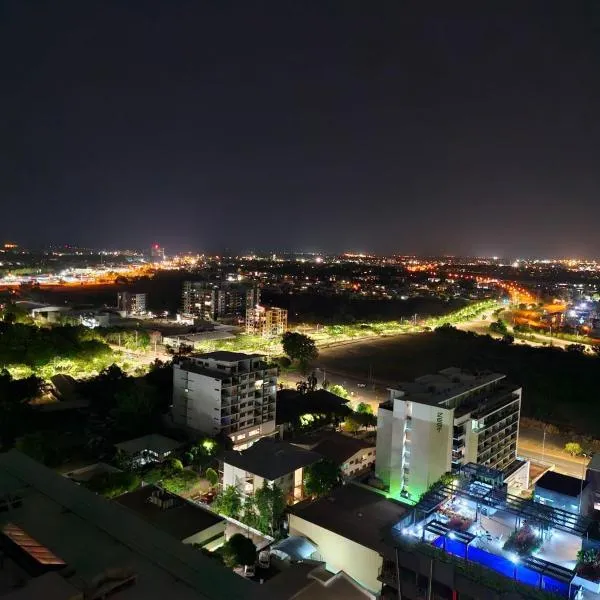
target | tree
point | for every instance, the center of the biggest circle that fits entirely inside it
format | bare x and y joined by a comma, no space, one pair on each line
212,477
321,477
181,482
228,502
136,412
299,347
573,448
111,485
270,505
339,390
284,362
499,326
364,408
357,420
238,550
43,446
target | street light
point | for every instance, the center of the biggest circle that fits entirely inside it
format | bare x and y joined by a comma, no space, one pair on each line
584,465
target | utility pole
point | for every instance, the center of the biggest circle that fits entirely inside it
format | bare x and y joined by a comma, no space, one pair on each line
544,445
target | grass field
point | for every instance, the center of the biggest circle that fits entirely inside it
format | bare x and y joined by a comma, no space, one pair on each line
559,387
399,358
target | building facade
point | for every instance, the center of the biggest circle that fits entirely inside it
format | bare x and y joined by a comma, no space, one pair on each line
228,392
269,461
266,321
213,301
439,422
130,303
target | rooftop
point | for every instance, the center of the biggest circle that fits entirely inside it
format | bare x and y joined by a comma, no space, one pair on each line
562,484
182,520
356,513
437,388
312,581
270,458
333,445
154,441
227,356
96,537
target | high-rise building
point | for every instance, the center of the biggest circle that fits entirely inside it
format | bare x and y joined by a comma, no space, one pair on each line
212,301
131,303
225,392
266,321
157,252
439,422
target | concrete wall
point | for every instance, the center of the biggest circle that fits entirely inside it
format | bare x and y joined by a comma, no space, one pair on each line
237,477
384,445
340,553
359,462
211,537
431,446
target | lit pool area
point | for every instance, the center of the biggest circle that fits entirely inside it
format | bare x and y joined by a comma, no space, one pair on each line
529,543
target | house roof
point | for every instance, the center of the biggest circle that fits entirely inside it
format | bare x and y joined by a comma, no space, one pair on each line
227,356
562,484
337,447
355,513
182,520
154,441
271,459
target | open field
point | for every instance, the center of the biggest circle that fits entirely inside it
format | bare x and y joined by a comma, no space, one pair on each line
557,386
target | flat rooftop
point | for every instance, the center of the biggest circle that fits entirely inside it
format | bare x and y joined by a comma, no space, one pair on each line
227,356
182,520
562,484
434,389
270,458
93,535
358,514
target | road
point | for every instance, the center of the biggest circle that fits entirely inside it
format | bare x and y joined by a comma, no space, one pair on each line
530,446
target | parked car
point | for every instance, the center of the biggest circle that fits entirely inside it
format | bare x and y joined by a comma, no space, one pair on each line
361,385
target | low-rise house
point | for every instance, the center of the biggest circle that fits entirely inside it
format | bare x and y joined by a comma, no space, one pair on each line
269,460
185,521
148,449
353,455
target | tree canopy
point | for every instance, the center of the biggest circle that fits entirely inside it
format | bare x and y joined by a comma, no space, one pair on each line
321,477
299,346
238,550
228,502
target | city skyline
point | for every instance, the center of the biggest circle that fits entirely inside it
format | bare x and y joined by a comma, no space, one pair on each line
401,129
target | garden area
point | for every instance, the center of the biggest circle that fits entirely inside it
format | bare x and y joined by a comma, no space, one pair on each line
523,541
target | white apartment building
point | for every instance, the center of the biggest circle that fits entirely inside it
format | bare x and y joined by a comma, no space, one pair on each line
227,392
439,422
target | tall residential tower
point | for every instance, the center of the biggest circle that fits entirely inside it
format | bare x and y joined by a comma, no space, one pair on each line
439,422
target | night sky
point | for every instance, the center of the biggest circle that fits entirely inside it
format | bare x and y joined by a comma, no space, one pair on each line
409,127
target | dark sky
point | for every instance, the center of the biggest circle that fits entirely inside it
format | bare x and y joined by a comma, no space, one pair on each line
413,127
